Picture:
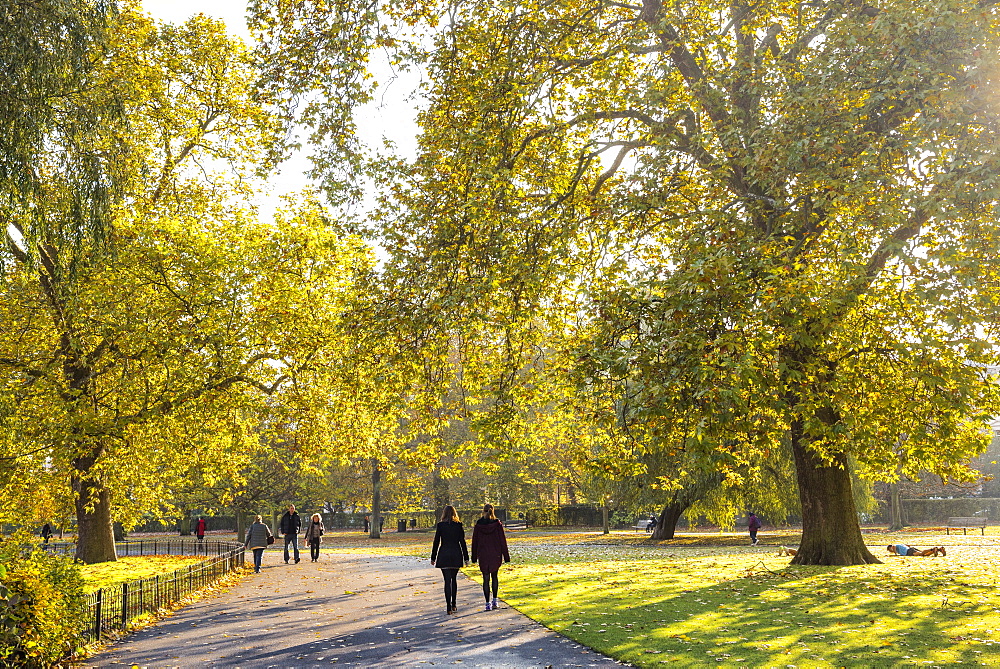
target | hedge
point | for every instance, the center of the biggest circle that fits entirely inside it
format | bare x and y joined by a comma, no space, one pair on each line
42,604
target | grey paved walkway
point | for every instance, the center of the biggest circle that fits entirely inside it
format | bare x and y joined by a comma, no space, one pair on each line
347,609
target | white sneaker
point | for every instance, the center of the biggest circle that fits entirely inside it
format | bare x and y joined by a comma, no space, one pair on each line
496,605
488,606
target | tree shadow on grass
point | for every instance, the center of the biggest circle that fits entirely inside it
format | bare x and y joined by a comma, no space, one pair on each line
786,615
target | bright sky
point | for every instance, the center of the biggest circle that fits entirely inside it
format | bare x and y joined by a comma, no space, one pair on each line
390,116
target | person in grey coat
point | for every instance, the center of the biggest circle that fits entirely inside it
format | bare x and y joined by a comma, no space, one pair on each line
258,538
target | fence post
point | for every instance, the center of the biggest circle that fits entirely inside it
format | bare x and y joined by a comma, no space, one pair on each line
97,614
124,605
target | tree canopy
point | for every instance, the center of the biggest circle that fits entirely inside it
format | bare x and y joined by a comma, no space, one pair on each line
775,219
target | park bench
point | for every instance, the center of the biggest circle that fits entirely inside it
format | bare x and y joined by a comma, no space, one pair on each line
516,525
966,523
642,524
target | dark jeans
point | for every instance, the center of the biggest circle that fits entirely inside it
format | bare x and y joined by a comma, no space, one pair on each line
314,549
258,554
450,587
489,577
753,536
292,539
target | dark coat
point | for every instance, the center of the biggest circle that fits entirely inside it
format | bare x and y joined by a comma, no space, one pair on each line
489,544
290,523
450,550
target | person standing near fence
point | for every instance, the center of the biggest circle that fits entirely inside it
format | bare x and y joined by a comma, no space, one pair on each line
259,537
312,537
46,533
290,526
489,549
199,529
449,553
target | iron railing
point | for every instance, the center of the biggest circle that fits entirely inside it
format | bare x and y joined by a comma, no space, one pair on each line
113,608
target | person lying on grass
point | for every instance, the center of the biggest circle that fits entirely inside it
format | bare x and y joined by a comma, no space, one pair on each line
903,549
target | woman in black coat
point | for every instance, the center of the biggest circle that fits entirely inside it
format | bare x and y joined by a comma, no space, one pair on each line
450,553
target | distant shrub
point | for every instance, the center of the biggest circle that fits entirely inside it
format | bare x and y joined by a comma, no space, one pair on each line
543,517
42,604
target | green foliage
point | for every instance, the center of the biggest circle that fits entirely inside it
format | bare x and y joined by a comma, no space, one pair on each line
65,129
543,516
42,604
759,218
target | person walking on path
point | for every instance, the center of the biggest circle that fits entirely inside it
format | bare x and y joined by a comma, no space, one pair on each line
489,549
753,524
46,533
290,526
314,530
258,538
367,525
200,528
449,553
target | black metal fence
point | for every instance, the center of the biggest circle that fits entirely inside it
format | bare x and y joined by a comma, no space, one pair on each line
114,607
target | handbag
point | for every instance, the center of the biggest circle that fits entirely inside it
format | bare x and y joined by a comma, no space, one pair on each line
270,540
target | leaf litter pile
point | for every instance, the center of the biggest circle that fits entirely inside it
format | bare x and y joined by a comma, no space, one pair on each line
656,604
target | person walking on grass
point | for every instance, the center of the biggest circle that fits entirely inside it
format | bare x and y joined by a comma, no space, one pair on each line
259,537
753,524
312,537
290,526
449,553
489,549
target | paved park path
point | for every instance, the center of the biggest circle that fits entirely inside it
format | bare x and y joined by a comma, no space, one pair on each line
347,609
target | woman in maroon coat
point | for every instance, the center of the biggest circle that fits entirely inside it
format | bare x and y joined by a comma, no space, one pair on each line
489,548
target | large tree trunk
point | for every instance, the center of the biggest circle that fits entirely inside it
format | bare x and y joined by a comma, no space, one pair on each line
831,534
376,500
895,508
95,538
666,524
440,490
185,524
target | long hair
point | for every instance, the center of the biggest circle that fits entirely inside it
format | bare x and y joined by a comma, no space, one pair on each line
488,512
449,513
257,519
317,518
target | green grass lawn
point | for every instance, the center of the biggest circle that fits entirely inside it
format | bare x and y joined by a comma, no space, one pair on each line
679,603
132,568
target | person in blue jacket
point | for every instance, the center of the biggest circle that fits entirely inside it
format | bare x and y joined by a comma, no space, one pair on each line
904,550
